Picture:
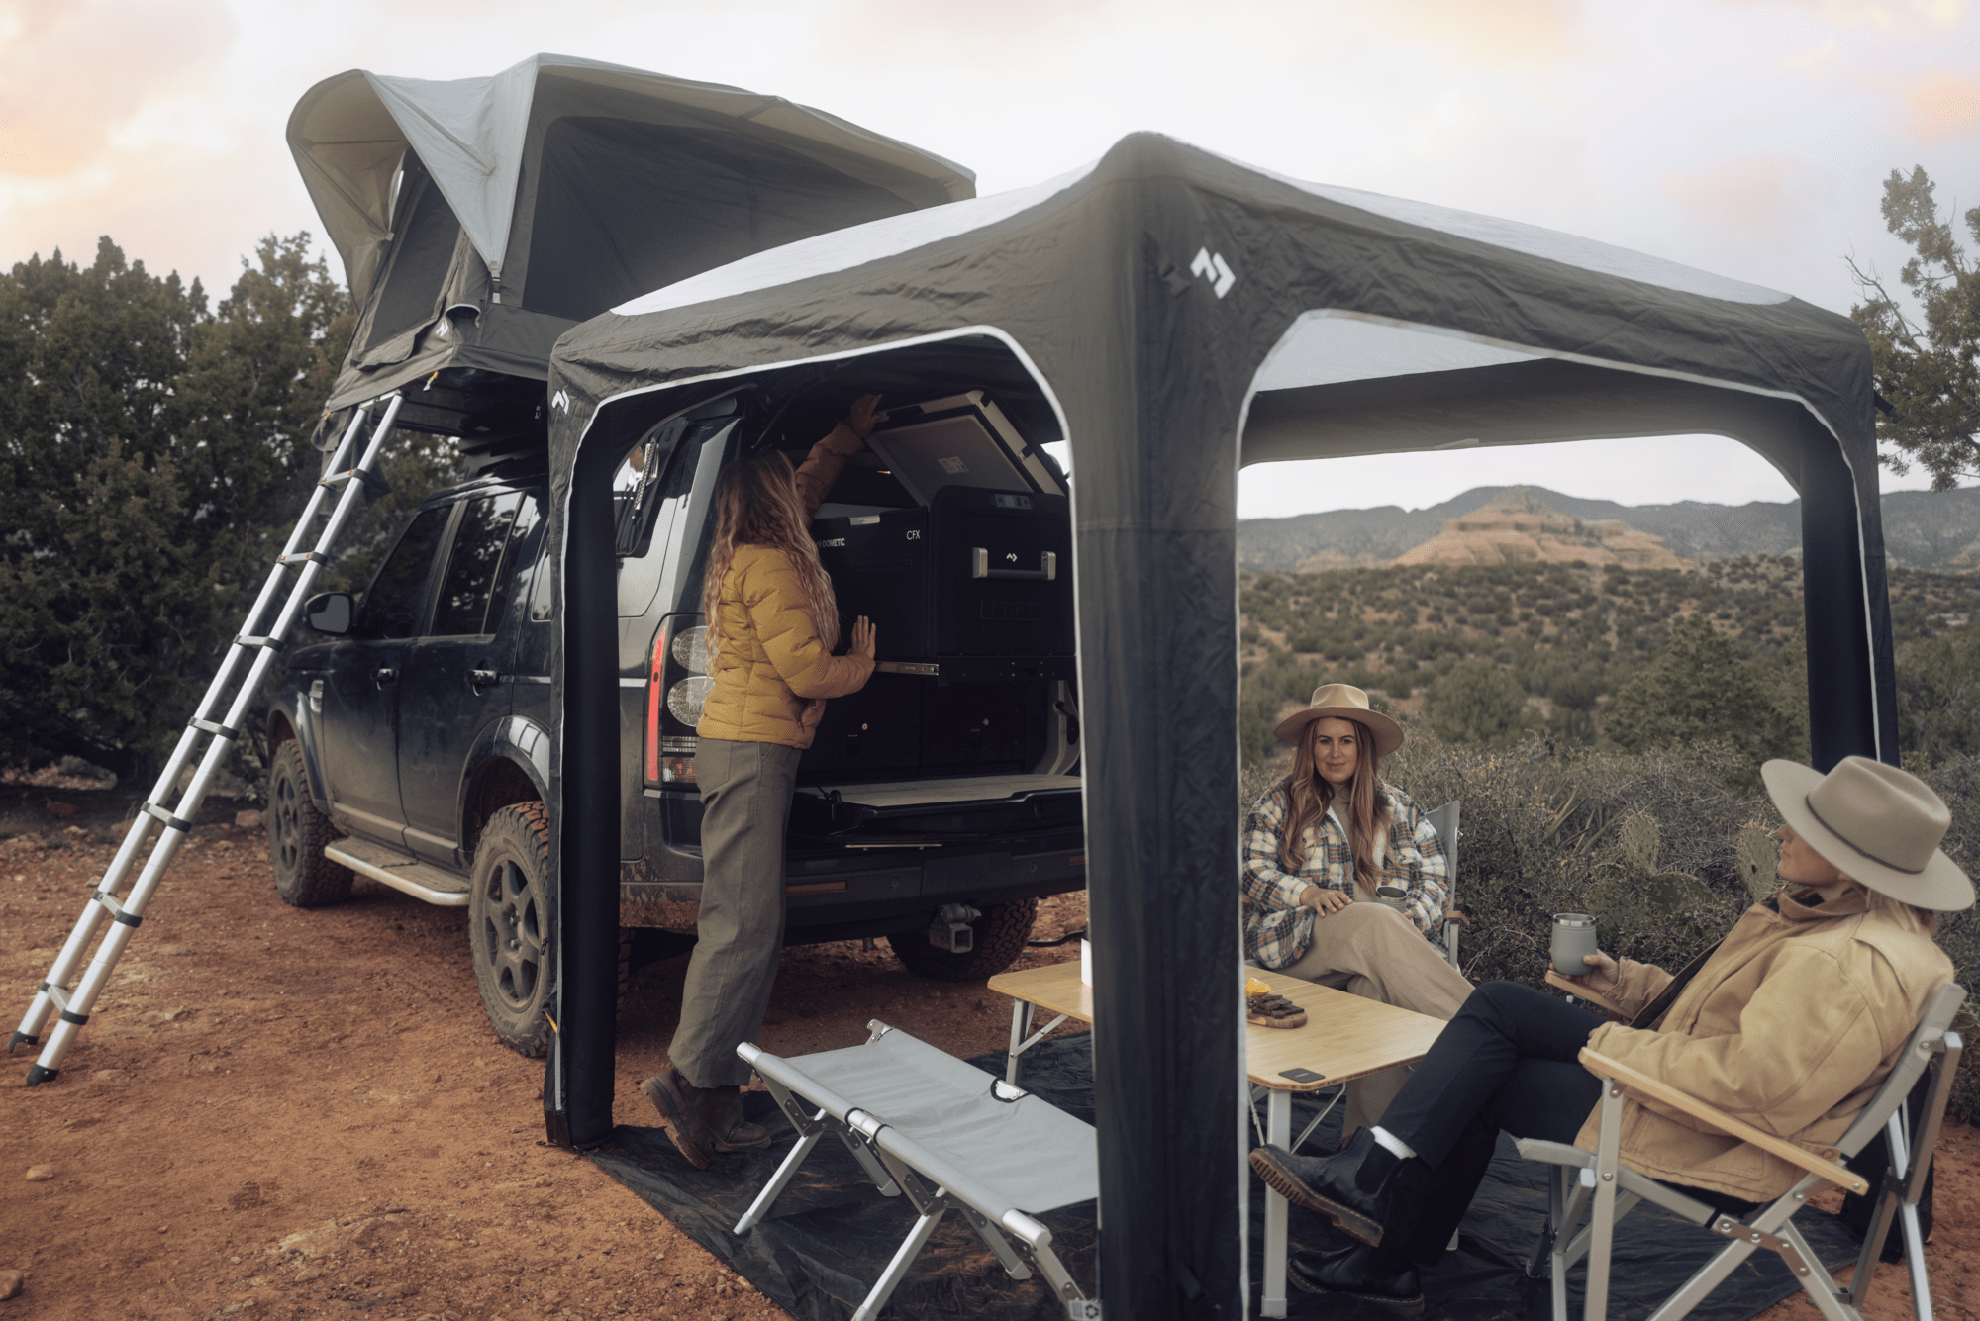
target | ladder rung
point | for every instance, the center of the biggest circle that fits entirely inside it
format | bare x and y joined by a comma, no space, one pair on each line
117,912
247,640
217,729
57,996
338,478
303,557
165,814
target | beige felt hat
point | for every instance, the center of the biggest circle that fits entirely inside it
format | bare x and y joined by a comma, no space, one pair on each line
1349,703
1879,825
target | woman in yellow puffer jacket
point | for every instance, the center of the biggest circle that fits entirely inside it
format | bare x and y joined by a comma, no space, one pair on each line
772,626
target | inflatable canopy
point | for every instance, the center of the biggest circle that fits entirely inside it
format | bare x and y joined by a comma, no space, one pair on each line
1184,315
479,219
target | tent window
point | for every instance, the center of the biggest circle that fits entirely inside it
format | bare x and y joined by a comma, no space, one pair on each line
409,292
624,207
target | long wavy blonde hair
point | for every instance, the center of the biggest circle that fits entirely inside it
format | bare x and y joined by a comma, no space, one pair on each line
1311,794
757,504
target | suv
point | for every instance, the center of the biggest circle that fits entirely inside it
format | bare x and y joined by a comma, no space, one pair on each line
935,807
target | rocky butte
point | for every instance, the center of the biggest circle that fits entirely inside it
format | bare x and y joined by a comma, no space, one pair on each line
1516,528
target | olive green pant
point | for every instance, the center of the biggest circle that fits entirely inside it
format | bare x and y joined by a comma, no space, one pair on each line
745,804
1373,951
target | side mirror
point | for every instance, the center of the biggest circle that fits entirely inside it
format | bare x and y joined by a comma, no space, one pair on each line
330,613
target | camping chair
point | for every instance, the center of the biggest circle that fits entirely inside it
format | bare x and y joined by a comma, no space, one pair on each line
1445,821
1598,1177
945,1133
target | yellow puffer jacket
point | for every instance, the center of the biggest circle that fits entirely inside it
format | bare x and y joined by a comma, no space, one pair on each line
772,670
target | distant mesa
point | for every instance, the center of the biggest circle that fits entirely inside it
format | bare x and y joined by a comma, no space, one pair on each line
1517,528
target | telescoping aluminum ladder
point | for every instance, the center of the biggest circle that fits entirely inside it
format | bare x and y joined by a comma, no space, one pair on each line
70,1000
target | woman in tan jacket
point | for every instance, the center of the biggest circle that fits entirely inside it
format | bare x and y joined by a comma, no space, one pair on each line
1789,1024
773,625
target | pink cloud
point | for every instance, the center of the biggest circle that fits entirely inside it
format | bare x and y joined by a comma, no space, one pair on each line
1745,194
1941,104
76,71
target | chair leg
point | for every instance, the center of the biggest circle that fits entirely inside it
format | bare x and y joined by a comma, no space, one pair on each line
896,1271
1816,1282
1602,1223
1914,1256
1007,1256
778,1181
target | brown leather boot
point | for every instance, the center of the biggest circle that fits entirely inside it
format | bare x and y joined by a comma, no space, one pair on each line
736,1133
688,1113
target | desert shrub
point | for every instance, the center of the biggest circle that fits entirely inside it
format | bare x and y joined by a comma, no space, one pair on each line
1543,832
1477,703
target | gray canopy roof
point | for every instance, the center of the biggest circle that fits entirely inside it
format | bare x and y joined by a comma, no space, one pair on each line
1183,315
479,218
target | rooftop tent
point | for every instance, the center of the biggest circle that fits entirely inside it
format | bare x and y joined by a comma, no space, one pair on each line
478,219
1181,315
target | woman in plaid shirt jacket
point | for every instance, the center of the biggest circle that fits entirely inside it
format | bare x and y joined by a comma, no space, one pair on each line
1315,847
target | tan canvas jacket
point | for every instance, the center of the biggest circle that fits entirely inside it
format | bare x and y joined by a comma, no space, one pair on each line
772,671
1790,1026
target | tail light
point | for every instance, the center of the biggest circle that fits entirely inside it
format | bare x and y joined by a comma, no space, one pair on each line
677,685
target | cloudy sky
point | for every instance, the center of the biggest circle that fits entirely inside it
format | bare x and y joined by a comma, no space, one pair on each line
1747,137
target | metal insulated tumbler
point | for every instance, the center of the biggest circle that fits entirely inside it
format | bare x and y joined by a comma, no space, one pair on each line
1574,939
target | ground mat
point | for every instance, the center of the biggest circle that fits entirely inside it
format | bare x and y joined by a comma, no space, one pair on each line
831,1234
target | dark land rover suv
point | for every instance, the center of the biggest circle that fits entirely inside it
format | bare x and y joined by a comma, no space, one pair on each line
410,742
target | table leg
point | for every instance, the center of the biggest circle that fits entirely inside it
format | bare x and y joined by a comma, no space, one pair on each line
1018,1026
1278,1132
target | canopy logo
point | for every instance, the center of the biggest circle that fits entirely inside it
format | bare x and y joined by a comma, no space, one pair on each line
1212,266
561,399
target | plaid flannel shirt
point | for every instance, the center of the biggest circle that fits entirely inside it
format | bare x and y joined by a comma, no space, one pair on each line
1277,927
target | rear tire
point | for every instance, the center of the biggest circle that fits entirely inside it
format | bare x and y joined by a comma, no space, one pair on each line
511,928
298,834
998,939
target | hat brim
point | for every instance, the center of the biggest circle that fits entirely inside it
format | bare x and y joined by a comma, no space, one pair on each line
1941,887
1388,734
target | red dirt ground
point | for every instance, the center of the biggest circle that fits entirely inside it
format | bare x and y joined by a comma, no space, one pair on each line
280,1113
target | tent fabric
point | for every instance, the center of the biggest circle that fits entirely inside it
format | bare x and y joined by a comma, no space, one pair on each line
1148,295
570,185
831,1234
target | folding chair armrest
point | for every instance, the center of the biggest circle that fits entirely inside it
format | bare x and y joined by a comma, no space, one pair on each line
1553,1153
1594,997
1603,1067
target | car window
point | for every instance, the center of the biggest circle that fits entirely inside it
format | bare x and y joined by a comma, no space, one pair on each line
392,603
515,568
469,583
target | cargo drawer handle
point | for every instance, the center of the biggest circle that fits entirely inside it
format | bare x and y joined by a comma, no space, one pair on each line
979,566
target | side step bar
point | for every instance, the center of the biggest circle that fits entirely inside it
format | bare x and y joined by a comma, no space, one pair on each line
405,874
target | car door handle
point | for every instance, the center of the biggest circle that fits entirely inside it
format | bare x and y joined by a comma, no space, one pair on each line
385,675
482,678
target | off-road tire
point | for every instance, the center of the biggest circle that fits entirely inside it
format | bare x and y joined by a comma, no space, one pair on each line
298,834
998,938
512,931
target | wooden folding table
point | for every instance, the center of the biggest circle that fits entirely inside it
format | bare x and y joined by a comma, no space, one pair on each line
1345,1037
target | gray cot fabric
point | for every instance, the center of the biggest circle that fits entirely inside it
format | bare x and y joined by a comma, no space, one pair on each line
746,801
942,1118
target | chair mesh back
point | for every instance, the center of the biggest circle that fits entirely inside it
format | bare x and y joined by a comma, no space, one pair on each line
1911,1065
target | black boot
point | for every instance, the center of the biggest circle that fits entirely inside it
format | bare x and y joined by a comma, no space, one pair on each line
1352,1187
1358,1271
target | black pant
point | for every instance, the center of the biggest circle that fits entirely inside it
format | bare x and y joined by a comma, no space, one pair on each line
1507,1061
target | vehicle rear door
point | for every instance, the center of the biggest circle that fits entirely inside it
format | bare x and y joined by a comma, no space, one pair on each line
455,682
360,698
